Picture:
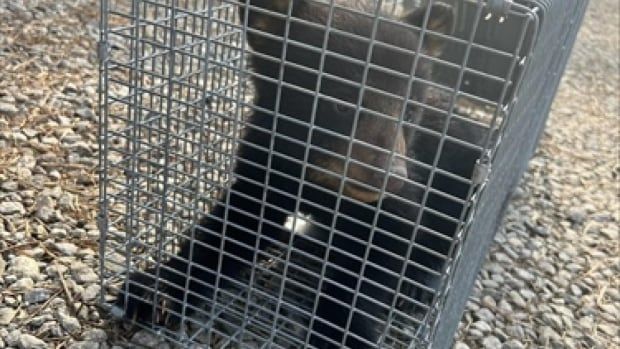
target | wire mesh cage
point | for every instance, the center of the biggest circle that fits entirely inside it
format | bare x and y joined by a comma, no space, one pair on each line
314,173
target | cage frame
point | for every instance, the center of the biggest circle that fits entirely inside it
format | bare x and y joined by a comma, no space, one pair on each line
457,273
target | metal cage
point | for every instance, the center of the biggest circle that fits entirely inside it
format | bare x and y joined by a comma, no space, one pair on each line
176,91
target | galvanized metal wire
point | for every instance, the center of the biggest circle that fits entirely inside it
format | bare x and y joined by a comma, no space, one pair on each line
175,91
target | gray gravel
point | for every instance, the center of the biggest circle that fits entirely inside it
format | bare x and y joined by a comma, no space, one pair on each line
550,281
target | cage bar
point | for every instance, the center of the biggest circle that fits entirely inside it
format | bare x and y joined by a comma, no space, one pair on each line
178,98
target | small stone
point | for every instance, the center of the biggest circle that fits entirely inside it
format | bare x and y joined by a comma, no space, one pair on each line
491,342
9,186
82,273
461,345
527,294
23,266
84,345
609,330
8,109
58,232
488,301
55,175
55,269
2,266
553,321
66,202
95,335
11,338
547,268
482,326
525,275
37,295
69,323
538,230
46,214
485,315
515,331
90,293
513,344
85,113
27,341
6,315
610,233
517,299
575,290
504,307
38,321
66,248
577,215
492,284
546,336
11,207
145,338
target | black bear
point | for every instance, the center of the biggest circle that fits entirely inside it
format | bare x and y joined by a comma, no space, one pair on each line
326,138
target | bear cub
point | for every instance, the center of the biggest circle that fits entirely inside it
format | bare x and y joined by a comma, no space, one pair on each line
326,138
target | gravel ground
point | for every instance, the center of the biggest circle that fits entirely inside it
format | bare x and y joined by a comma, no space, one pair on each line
551,280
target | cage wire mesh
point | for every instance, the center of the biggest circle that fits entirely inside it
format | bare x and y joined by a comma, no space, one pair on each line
338,249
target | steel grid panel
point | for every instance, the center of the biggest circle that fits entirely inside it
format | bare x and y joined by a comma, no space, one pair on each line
178,116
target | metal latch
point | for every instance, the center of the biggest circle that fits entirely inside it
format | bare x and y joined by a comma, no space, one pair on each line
482,169
102,51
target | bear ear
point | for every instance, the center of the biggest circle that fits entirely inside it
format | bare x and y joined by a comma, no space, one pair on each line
440,19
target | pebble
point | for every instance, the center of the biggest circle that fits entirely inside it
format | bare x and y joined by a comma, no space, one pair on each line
9,186
485,315
38,321
23,266
84,345
609,329
577,215
553,321
55,269
2,266
27,341
461,345
69,323
95,335
482,326
517,299
66,248
546,336
525,275
488,302
11,207
145,338
6,315
8,109
90,292
46,213
491,342
538,230
515,331
610,233
513,344
547,268
82,273
528,294
37,295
